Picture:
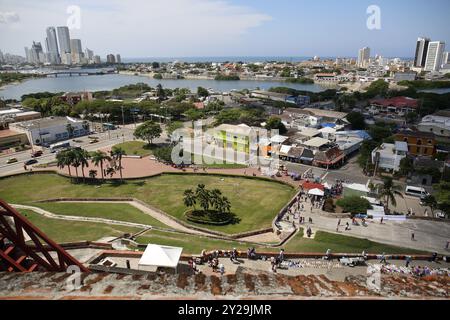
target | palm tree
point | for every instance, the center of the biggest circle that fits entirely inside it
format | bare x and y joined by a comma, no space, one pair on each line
75,159
203,197
216,199
189,198
225,205
117,153
83,157
98,157
388,190
64,158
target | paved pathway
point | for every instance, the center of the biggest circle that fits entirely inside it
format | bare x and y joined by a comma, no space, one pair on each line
430,236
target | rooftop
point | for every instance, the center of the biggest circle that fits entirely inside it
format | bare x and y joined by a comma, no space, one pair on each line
398,102
46,122
316,142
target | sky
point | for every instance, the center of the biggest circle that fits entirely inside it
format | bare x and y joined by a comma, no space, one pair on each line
204,28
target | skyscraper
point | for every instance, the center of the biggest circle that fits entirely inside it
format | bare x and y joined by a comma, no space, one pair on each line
52,46
434,55
445,58
118,58
76,50
110,58
64,39
421,52
363,57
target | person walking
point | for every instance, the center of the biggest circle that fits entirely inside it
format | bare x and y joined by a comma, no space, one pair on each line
412,236
221,269
381,221
383,259
408,261
281,255
347,227
447,245
339,222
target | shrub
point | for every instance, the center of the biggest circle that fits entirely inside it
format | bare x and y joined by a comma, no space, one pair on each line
354,204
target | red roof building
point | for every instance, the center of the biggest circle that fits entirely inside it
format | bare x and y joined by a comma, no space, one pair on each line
396,104
307,185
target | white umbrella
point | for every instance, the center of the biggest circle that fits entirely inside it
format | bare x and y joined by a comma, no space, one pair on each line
316,192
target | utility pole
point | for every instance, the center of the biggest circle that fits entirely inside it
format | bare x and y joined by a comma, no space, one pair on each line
123,117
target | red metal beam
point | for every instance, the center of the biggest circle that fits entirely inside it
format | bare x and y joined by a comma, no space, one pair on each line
41,244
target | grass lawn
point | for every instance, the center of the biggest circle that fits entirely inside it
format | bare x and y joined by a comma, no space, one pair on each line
113,211
191,244
255,202
341,244
68,231
135,148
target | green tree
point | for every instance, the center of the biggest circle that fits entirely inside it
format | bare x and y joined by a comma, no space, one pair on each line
117,153
203,197
148,131
189,198
65,159
357,121
202,92
98,158
276,123
173,126
406,166
354,204
388,190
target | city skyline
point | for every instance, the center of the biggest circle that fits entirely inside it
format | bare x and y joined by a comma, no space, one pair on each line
235,28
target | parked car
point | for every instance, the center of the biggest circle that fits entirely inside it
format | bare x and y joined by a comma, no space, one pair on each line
36,154
11,160
30,162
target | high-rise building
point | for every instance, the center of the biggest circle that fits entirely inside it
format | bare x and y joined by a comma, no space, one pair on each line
52,46
421,52
64,39
434,56
2,59
110,58
363,57
118,58
76,50
97,60
36,54
28,54
445,58
89,54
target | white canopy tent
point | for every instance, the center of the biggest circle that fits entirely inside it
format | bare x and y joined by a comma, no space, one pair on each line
316,192
156,256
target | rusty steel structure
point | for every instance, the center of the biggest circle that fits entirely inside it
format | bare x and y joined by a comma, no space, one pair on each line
25,248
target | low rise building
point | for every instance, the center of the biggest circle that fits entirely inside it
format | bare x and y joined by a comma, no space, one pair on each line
388,156
51,129
397,105
281,97
10,139
419,143
438,124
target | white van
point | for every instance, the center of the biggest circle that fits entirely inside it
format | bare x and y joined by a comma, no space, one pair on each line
416,192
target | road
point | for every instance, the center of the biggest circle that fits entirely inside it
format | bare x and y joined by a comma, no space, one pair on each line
106,139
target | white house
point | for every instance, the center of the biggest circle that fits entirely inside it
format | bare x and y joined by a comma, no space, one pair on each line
51,129
388,156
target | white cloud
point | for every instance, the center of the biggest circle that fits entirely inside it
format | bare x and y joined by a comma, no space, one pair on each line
9,17
145,28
